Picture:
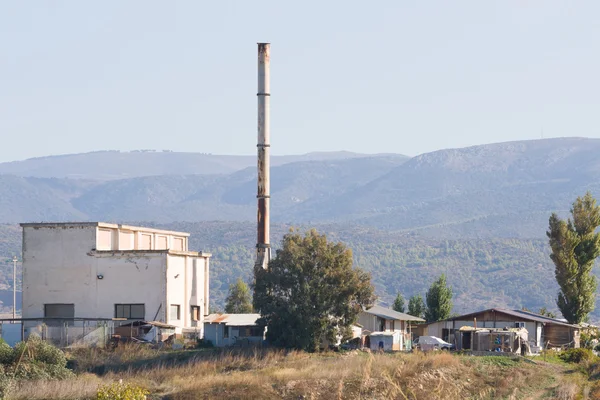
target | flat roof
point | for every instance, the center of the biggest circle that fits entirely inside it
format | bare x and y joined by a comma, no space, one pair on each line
101,225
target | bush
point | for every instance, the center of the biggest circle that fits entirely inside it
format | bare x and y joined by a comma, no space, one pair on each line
40,351
576,355
6,353
34,359
121,391
203,344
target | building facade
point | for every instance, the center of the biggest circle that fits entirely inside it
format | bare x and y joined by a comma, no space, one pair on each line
100,270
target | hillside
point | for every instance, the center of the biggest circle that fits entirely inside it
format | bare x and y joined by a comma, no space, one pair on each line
110,165
504,183
499,190
231,197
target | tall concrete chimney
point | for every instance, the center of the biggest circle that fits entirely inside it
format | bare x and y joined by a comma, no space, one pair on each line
263,244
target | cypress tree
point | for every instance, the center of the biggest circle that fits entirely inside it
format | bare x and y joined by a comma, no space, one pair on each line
439,300
575,246
399,303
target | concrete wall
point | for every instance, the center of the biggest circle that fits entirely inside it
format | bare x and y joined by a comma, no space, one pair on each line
128,278
57,269
61,265
124,237
185,287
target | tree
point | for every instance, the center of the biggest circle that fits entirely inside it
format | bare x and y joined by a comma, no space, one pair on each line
399,303
310,292
543,311
575,246
439,300
238,300
416,306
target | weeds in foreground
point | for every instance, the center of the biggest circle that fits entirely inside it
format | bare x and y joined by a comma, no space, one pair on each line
272,374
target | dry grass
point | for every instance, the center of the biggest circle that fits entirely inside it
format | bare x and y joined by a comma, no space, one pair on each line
270,374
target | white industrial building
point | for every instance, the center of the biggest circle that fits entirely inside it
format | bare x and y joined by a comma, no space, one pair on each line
101,270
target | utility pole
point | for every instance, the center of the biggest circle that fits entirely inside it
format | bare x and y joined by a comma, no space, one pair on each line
15,288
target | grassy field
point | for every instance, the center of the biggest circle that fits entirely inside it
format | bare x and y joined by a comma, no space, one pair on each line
270,374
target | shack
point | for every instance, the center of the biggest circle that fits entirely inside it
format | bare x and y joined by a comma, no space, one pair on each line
542,331
385,341
224,330
506,340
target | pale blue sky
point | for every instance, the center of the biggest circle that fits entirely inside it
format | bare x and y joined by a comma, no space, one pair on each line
379,76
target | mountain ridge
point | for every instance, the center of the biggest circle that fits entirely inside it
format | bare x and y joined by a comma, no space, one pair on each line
500,189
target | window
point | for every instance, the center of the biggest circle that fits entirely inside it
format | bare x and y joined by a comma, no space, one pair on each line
174,312
445,334
66,311
59,310
195,313
247,331
225,331
130,311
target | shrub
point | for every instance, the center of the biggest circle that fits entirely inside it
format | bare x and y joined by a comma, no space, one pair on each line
576,355
121,391
203,344
34,359
38,350
6,353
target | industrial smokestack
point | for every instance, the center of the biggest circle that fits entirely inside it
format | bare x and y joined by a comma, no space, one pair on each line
263,244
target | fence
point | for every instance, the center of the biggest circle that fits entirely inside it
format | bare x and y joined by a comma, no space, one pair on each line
60,332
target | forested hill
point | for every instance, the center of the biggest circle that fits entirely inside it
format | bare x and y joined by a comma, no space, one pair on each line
483,272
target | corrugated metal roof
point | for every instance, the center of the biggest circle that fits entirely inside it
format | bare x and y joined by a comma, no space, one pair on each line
233,319
391,314
525,315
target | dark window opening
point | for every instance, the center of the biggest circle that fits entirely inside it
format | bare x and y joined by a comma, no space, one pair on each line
66,311
130,311
445,334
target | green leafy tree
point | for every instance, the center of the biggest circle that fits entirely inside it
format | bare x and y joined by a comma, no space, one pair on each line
310,292
575,246
239,300
416,306
399,303
439,300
